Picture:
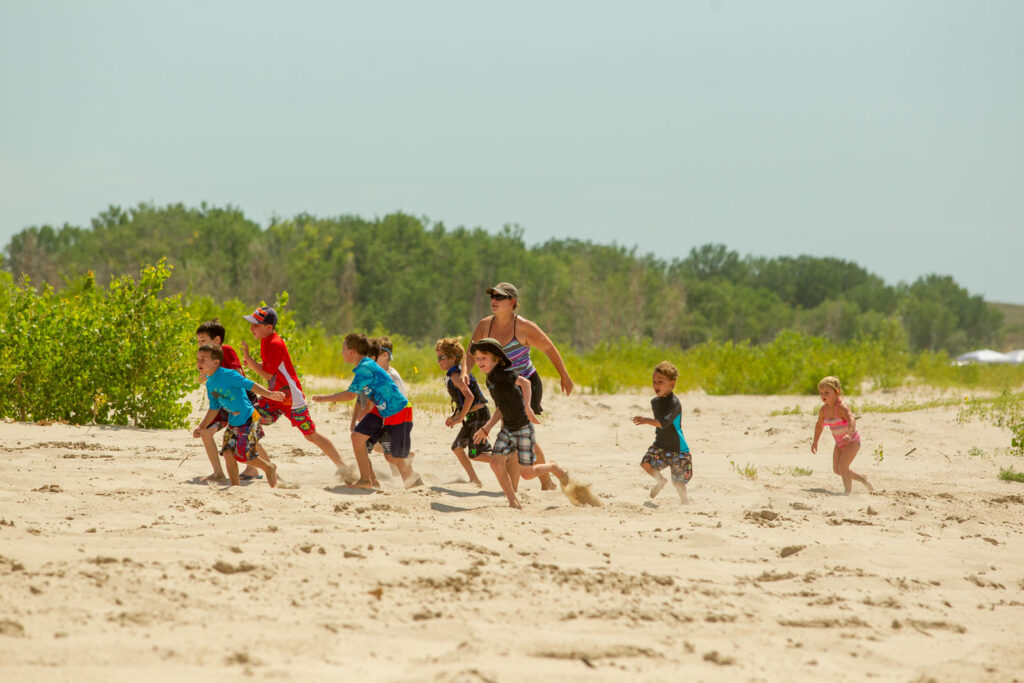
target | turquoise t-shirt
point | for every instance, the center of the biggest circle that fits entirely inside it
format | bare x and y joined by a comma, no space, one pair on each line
226,389
378,385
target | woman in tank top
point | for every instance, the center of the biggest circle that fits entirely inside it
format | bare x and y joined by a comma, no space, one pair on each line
518,337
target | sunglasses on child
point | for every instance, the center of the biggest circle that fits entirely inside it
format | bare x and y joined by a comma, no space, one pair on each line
500,297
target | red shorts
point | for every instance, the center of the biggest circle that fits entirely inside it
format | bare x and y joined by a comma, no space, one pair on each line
269,412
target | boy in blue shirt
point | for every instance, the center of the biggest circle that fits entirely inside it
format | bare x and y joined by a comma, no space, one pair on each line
669,448
392,414
226,390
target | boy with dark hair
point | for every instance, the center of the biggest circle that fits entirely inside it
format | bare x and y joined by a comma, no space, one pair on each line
212,332
226,390
393,414
511,394
669,448
276,367
469,407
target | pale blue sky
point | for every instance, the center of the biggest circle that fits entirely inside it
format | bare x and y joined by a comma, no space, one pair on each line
884,132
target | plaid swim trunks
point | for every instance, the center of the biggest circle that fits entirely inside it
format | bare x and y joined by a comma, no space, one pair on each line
241,440
521,440
681,464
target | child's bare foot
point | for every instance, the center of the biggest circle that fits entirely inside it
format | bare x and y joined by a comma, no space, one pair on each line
347,473
658,486
515,504
360,484
562,475
546,484
272,475
870,487
477,483
375,483
414,481
216,478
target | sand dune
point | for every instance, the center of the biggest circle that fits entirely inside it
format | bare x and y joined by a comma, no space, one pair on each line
116,562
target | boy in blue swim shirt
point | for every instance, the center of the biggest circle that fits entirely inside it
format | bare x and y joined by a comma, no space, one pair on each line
392,414
226,390
669,448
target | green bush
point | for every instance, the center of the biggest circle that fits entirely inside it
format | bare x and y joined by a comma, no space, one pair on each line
115,355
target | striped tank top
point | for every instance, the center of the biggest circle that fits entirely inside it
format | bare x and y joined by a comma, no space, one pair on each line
840,428
518,353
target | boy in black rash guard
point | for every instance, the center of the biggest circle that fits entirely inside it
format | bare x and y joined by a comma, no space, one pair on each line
470,407
511,396
669,448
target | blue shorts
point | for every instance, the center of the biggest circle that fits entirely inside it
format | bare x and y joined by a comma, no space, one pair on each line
399,435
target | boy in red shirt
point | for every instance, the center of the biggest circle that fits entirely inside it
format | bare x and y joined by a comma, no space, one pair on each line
277,369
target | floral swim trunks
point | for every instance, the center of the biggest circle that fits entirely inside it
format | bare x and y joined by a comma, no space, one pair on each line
681,464
241,440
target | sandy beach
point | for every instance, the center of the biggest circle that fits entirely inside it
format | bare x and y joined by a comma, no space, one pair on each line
118,563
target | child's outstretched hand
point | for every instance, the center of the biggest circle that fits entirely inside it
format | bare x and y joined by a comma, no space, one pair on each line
639,420
531,416
196,432
814,447
449,422
276,396
319,398
479,436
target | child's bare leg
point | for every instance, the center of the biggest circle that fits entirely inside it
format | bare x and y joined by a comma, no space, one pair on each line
207,435
500,469
231,465
838,468
404,467
659,480
512,467
846,457
467,464
681,490
268,467
547,469
251,471
325,445
363,461
545,479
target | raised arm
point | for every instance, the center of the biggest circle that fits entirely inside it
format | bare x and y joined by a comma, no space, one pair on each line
536,338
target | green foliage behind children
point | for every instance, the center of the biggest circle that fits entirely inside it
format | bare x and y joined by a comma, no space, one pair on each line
115,355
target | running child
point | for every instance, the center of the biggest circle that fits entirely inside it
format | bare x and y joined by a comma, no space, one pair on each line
226,390
382,350
511,394
669,448
393,414
212,332
836,415
276,367
469,407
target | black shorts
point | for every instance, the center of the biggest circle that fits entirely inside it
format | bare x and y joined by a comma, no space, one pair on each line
400,435
473,422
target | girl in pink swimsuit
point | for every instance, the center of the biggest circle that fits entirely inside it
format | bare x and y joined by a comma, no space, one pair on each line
836,415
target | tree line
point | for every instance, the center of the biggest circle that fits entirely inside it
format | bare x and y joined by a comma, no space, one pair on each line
424,280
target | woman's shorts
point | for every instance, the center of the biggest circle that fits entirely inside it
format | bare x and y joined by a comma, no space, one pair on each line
399,436
241,440
521,440
473,422
681,464
536,392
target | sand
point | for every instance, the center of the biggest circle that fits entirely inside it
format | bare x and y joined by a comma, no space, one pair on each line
116,563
